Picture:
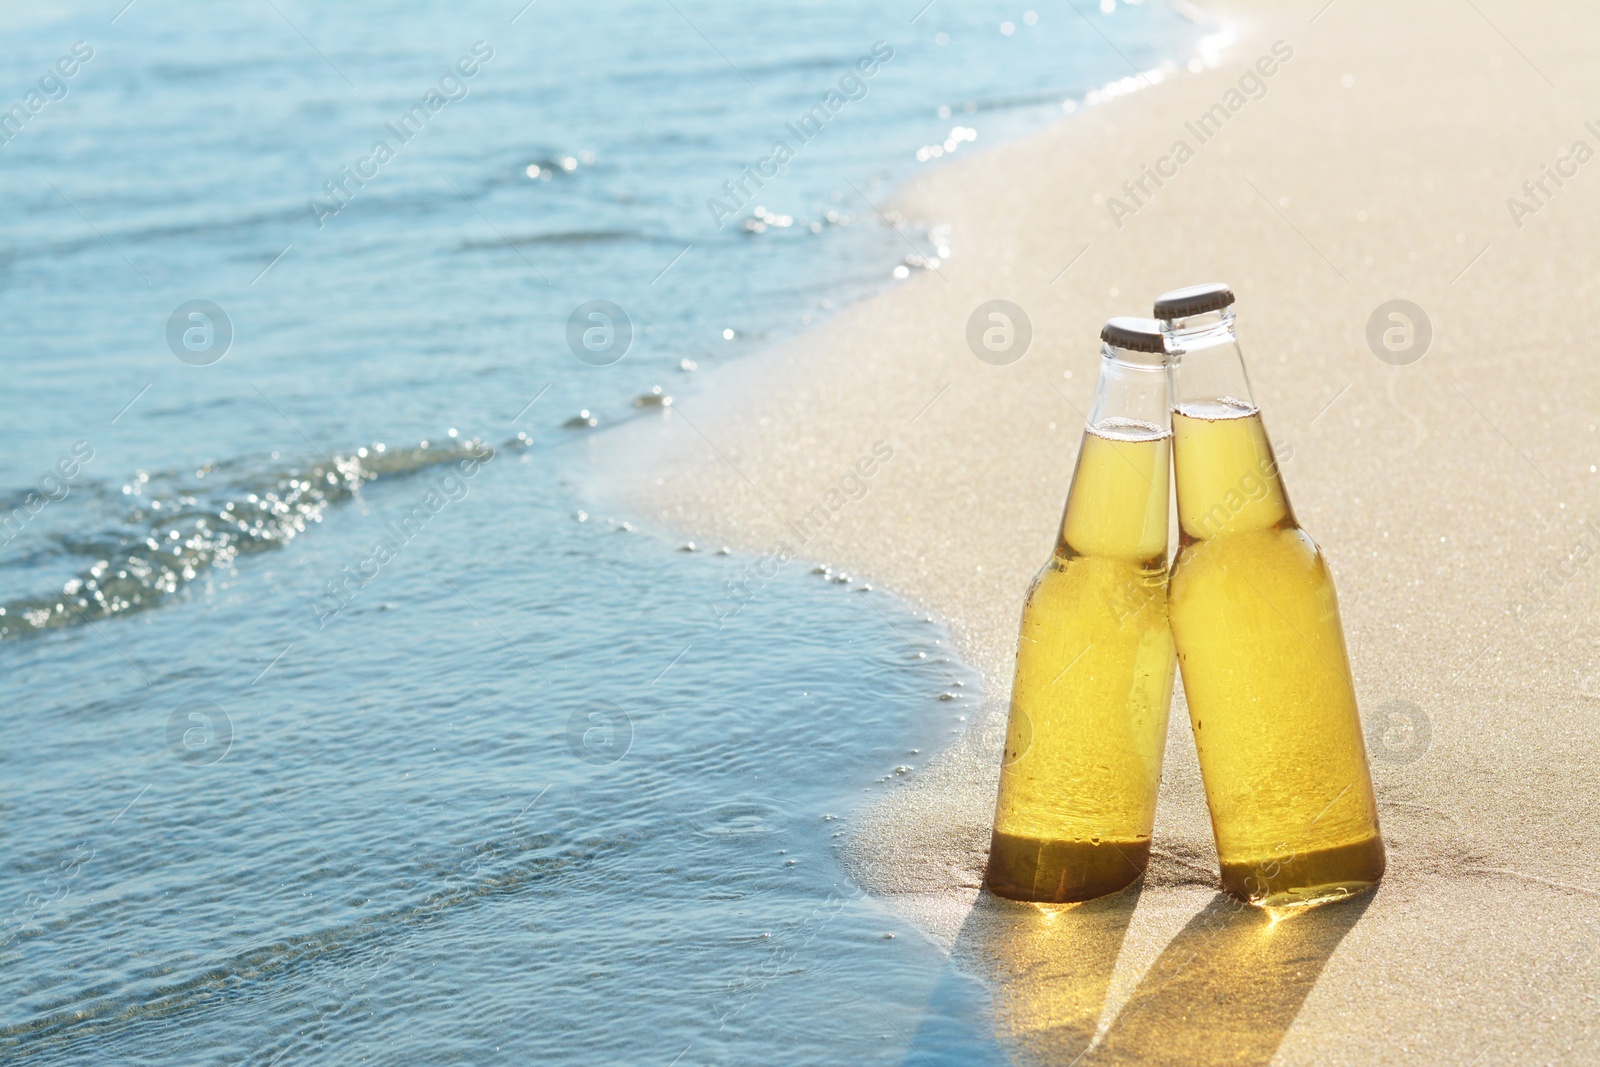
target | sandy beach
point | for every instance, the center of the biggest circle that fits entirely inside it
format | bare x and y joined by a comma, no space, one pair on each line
1392,153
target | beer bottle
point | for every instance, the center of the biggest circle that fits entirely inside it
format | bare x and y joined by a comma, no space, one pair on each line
1259,640
1093,685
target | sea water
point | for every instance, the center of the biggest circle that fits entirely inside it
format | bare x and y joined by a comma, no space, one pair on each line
338,731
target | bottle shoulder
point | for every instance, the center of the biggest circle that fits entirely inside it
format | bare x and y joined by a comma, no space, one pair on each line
1285,545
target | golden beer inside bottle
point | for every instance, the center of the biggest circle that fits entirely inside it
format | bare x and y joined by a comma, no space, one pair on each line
1266,674
1093,683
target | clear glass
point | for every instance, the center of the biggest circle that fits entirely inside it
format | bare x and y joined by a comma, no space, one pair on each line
1265,671
1095,661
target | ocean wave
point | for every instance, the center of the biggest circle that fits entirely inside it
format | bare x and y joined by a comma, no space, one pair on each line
220,230
351,954
178,530
566,237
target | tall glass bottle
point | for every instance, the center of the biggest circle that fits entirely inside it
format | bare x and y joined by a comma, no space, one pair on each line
1095,661
1259,639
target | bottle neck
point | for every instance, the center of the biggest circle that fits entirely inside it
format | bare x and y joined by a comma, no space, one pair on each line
1227,477
1132,398
1207,367
1117,506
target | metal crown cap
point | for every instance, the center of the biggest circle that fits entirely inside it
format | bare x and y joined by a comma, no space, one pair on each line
1193,300
1137,335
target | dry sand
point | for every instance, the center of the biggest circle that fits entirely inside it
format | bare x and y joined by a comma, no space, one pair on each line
1377,165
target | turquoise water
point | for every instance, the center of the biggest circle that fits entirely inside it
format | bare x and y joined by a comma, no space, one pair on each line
338,731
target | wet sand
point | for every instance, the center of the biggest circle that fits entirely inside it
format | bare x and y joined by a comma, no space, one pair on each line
1456,496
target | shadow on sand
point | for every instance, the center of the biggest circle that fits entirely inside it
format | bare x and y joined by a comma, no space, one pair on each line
1224,991
1227,988
1048,967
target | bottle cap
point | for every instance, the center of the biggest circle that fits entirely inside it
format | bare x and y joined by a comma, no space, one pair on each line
1193,300
1137,335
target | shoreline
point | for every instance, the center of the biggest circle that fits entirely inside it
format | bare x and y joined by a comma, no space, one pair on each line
1372,165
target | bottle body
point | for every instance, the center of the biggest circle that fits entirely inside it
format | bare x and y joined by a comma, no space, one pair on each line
1093,683
1256,623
